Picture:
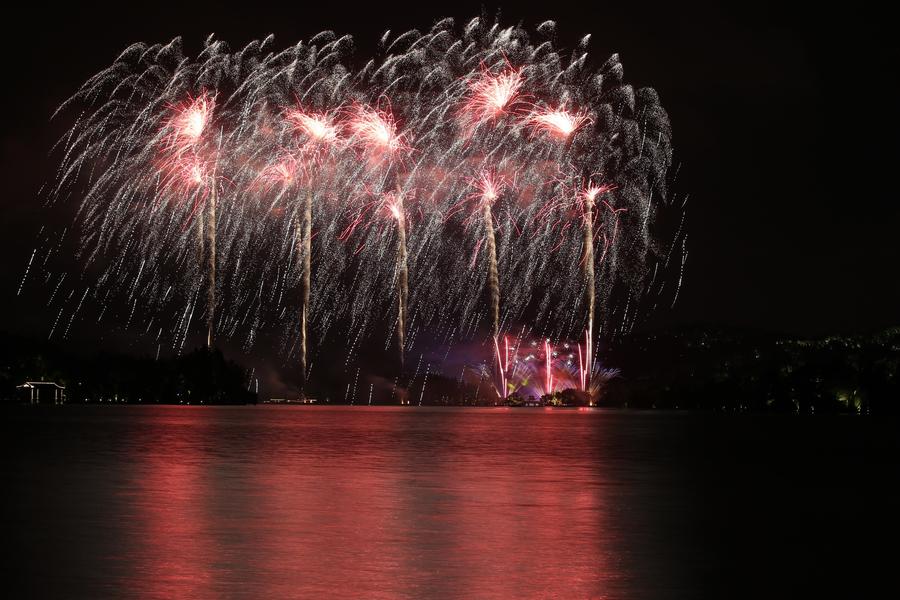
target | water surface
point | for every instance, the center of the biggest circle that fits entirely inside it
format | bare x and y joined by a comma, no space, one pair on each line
297,502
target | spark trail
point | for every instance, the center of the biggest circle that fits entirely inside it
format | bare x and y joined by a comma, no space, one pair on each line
395,204
304,233
490,189
589,196
211,223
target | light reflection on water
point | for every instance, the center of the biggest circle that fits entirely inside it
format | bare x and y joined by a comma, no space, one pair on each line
275,502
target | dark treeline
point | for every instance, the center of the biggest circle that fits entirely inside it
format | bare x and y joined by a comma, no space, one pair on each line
199,377
740,371
722,370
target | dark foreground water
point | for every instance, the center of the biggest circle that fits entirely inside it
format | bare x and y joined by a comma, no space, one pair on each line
289,502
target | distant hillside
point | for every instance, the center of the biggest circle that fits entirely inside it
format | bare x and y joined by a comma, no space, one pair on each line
745,371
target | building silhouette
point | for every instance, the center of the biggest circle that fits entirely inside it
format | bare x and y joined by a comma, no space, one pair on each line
42,392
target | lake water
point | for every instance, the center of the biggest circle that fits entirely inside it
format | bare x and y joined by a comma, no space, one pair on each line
295,502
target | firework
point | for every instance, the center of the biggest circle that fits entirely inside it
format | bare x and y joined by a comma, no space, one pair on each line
284,173
557,122
489,189
548,367
304,233
211,222
490,96
185,149
321,133
504,361
318,128
189,122
394,202
376,130
257,158
588,197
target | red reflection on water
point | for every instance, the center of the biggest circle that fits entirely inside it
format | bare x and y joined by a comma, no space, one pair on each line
173,545
275,503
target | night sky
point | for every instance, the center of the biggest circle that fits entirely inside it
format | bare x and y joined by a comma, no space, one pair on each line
784,129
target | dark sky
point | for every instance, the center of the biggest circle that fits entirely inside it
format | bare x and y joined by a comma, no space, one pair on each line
784,125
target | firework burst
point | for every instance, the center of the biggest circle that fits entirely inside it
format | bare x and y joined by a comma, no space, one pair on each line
490,96
376,130
189,121
557,122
